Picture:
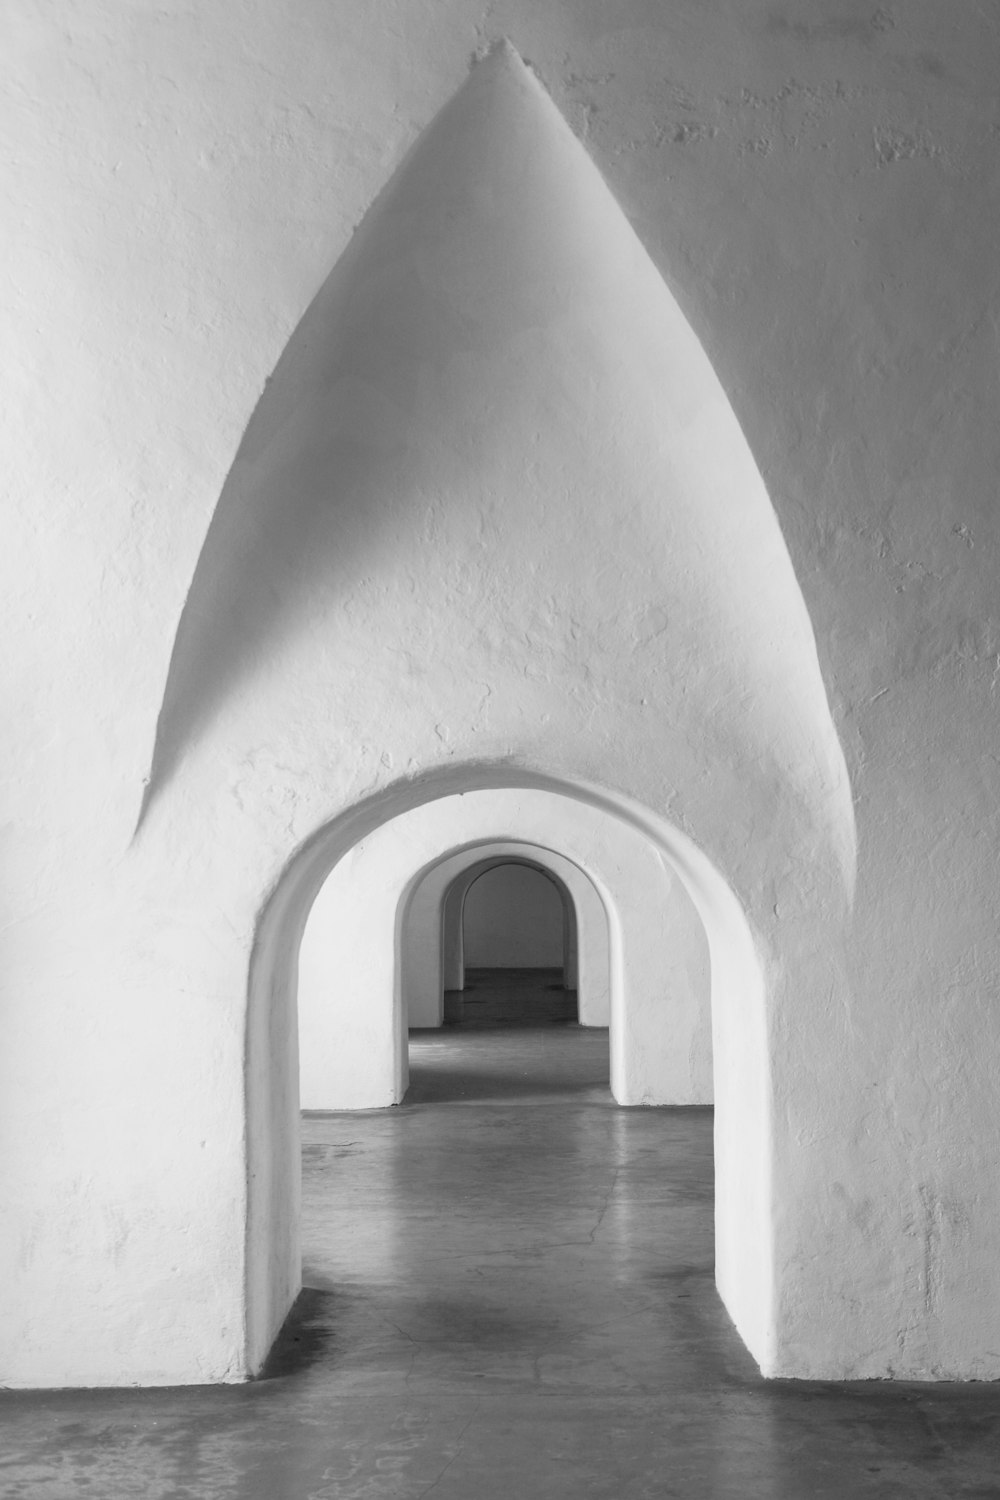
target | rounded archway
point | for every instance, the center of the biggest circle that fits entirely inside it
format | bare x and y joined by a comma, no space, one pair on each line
478,890
433,958
514,916
354,1029
361,870
501,911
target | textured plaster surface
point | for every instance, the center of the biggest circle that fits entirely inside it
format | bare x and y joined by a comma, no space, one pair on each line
818,185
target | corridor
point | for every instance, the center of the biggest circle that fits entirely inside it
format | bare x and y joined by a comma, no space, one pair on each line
508,1293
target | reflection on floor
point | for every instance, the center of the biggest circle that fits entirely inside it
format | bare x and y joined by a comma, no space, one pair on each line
507,1301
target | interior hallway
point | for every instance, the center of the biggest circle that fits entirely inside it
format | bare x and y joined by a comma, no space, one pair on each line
508,1293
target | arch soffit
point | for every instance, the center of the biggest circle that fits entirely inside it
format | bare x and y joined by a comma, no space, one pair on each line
603,891
283,916
450,901
471,877
480,862
472,874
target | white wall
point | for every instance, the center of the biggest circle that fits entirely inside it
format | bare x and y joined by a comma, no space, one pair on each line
818,187
513,919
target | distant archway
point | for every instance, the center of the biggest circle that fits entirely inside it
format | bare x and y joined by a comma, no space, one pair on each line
353,1001
515,915
433,951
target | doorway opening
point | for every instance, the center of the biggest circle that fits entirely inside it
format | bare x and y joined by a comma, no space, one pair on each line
514,923
532,965
670,928
508,1021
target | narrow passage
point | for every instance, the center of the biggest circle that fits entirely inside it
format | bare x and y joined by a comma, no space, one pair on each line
513,1262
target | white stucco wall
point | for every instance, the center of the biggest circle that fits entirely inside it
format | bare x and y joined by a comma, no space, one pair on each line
818,185
513,919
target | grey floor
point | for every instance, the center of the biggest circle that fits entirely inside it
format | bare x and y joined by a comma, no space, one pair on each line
508,1294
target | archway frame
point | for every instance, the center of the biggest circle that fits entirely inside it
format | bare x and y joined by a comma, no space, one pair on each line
430,963
743,1128
356,1027
470,879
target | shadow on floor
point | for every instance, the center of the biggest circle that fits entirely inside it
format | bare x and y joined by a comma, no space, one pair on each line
510,997
307,1335
441,1086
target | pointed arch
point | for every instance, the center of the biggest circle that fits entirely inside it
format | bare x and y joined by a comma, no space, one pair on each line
495,441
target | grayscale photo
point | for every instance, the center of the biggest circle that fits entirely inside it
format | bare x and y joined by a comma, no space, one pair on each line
500,776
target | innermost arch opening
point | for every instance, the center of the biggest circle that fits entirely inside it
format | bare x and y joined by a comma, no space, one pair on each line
516,951
509,935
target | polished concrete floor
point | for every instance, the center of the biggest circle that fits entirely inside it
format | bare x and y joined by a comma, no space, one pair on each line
508,1294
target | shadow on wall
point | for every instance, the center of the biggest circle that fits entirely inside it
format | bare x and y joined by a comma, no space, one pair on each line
311,442
493,348
336,454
